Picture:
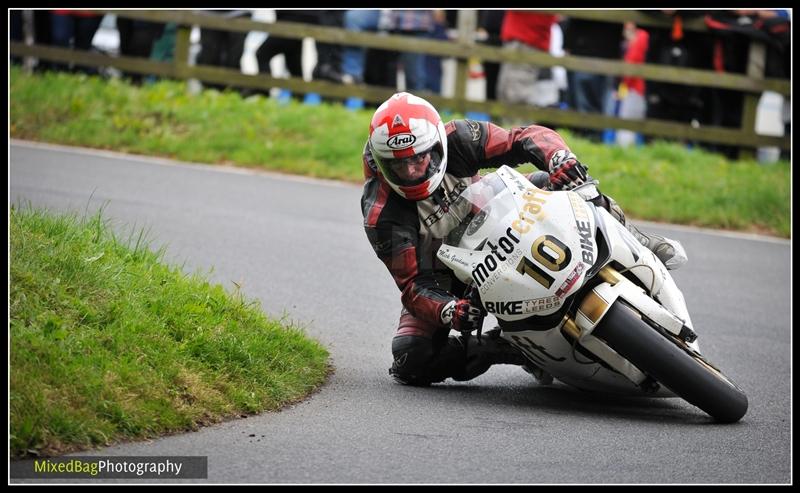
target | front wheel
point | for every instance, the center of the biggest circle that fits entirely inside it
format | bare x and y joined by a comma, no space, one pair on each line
680,369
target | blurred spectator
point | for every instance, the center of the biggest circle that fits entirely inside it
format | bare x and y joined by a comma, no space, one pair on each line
686,49
16,31
163,48
631,90
418,23
732,32
74,29
136,39
353,57
588,92
290,48
380,66
329,55
222,48
433,63
490,22
523,82
771,27
42,35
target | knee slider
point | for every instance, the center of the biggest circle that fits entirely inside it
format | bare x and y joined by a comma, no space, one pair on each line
412,355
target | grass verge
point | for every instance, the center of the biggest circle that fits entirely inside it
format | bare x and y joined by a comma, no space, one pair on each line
109,344
659,182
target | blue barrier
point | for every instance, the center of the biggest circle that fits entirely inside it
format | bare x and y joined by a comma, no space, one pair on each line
284,96
312,99
479,116
353,104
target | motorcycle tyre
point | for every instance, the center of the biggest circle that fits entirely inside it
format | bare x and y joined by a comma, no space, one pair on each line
672,364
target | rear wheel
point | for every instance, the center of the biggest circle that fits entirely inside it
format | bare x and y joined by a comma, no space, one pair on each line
671,363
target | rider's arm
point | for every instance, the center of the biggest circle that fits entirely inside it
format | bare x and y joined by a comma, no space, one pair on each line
392,229
490,146
421,294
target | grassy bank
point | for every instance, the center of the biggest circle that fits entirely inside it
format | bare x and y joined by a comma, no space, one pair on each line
659,182
108,343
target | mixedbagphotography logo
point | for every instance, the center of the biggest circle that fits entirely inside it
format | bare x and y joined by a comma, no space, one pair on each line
131,467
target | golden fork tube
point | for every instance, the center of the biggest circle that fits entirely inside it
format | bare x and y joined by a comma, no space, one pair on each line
610,275
570,329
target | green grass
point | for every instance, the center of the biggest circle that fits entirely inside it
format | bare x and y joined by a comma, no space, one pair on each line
659,182
667,182
108,343
164,119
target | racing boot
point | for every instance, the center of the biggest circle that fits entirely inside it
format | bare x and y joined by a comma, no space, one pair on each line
453,362
669,252
541,376
417,364
497,349
491,350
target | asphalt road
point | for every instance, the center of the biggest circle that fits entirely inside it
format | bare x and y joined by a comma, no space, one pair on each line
297,245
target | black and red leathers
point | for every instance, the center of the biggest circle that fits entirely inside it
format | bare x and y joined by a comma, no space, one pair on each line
406,235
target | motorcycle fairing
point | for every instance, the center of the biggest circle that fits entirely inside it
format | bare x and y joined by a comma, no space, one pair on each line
535,242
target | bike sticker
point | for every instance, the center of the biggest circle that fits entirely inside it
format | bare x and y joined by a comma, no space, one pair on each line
571,280
532,210
522,307
496,259
584,226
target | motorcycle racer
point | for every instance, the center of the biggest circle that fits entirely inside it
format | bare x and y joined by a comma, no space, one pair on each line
415,166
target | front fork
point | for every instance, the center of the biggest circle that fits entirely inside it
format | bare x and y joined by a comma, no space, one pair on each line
578,325
596,302
569,328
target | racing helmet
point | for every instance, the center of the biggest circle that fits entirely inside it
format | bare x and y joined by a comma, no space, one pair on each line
408,142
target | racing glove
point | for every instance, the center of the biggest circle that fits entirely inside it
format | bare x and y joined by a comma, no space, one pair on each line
462,316
566,172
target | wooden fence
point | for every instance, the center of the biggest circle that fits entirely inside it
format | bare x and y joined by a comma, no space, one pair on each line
753,84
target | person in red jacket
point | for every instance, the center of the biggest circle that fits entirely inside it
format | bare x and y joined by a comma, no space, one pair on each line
523,82
633,105
415,166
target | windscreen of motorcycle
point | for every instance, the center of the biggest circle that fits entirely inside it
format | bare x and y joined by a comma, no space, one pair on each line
526,249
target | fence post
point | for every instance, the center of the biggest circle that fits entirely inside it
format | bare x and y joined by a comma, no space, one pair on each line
182,46
28,32
467,26
756,63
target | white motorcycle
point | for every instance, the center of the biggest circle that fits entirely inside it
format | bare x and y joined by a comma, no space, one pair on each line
575,292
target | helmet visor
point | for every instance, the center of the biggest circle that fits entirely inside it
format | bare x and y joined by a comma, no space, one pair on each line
413,170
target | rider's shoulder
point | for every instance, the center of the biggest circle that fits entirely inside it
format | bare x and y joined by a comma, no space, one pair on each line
465,130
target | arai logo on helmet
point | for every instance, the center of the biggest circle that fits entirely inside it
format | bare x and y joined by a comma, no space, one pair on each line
401,141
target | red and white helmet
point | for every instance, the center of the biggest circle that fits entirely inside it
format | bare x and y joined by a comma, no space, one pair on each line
403,128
